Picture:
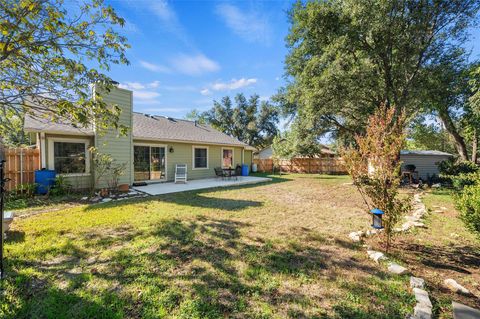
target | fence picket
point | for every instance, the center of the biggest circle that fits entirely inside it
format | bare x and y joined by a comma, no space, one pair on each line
304,165
21,166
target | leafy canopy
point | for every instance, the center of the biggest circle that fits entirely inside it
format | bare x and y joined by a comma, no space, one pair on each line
251,121
346,57
51,51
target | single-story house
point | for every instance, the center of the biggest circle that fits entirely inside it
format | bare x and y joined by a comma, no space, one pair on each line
426,162
267,153
150,150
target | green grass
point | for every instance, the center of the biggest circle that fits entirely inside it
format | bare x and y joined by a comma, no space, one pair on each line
275,250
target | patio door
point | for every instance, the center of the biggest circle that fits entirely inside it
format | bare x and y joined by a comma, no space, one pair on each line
149,163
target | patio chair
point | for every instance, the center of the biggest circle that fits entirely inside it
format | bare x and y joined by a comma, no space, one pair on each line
238,172
219,172
180,173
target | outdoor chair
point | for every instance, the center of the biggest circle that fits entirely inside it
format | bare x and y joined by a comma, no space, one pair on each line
180,173
238,172
219,172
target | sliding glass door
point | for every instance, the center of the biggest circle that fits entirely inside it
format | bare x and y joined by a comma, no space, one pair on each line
149,163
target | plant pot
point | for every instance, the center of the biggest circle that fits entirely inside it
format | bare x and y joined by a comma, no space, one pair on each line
123,188
104,192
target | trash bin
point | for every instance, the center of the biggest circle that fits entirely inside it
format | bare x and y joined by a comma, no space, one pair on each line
244,170
254,168
44,179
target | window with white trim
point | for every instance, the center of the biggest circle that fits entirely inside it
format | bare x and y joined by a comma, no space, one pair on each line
200,157
70,157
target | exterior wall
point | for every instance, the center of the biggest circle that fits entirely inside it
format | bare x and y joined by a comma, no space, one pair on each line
425,164
248,157
265,153
183,154
119,147
77,181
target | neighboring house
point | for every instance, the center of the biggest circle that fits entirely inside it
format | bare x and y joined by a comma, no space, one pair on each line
151,148
267,153
426,162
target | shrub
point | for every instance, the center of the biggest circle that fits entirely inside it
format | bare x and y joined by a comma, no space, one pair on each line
468,202
458,173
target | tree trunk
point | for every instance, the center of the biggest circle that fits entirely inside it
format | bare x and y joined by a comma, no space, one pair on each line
459,142
474,146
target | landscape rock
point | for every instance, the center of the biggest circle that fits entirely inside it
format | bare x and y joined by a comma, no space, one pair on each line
397,269
455,286
438,185
372,232
96,199
356,236
106,200
422,312
422,297
416,282
84,198
461,311
413,218
376,255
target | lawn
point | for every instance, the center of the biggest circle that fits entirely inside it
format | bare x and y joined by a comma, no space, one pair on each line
273,250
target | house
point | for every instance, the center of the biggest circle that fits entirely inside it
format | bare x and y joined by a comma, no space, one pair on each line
150,149
267,153
425,161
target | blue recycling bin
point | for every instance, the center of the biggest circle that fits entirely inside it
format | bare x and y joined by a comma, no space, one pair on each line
45,179
244,170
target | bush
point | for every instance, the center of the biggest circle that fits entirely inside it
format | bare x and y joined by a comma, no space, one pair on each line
458,173
468,202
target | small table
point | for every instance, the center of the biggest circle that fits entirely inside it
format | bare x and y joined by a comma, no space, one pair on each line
229,172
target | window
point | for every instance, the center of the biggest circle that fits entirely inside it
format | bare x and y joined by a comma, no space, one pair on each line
200,157
69,157
227,157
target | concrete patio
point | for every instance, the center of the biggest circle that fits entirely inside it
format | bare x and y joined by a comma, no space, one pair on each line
170,187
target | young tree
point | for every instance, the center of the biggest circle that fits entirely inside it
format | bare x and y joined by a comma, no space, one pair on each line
51,52
375,165
250,121
348,57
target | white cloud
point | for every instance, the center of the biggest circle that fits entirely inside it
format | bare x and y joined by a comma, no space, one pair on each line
163,10
205,92
154,67
194,64
233,84
139,86
248,25
145,95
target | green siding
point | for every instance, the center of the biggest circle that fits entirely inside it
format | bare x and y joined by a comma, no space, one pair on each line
183,154
248,157
119,147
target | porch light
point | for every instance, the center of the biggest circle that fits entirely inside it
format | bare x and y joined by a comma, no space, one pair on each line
377,218
171,150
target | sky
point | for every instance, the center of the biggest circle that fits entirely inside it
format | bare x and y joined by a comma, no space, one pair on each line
185,54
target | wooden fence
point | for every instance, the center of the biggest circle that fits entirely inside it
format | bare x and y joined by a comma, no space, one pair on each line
20,166
303,165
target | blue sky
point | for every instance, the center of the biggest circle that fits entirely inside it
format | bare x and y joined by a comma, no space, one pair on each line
186,53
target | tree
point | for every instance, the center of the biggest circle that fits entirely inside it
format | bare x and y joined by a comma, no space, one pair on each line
347,57
375,165
49,57
296,142
424,134
251,121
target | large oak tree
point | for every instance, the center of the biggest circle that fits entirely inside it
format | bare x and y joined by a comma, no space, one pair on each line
347,57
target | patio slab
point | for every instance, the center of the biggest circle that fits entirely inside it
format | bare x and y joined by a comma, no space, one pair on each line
170,187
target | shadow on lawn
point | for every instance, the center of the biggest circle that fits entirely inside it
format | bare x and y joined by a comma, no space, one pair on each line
205,268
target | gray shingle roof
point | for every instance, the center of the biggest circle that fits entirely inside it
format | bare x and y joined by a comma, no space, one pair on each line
43,124
163,128
422,152
146,127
